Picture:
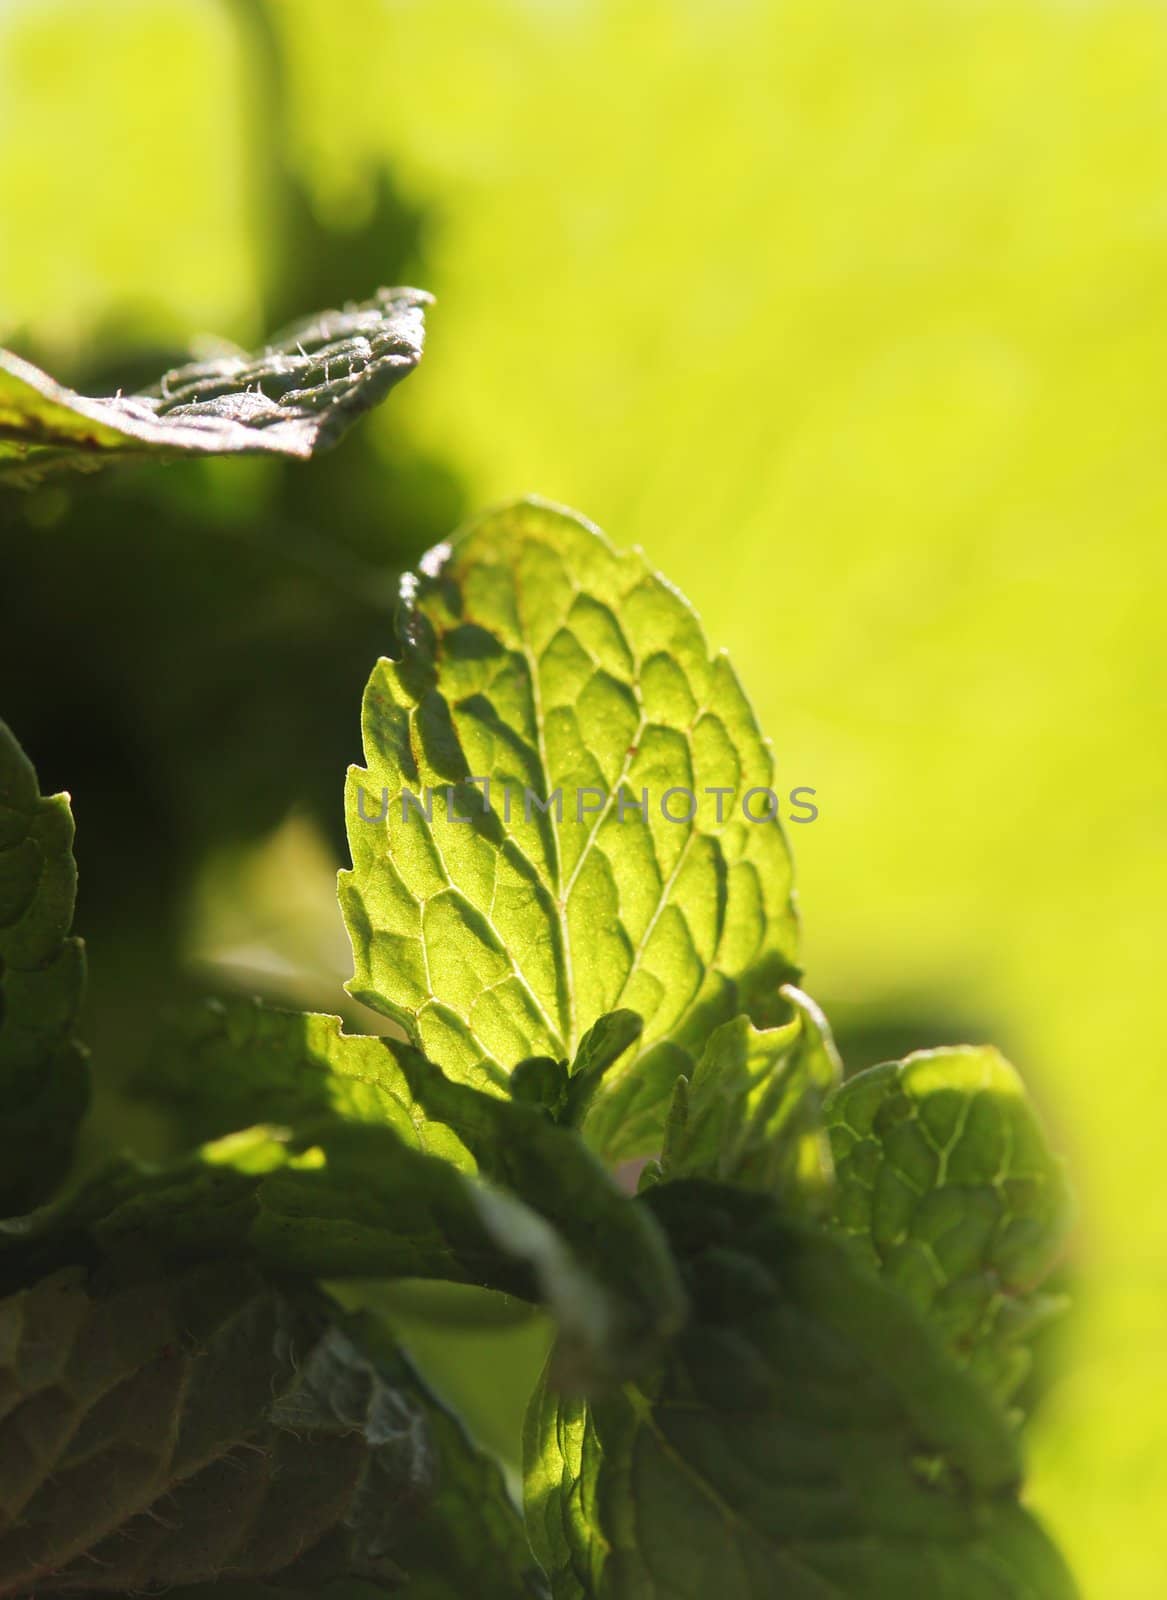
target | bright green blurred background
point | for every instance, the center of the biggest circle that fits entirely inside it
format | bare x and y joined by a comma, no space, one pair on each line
852,312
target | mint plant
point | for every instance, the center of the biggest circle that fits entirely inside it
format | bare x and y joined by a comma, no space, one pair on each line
788,1366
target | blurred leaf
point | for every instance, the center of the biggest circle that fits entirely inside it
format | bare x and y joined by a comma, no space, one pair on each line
275,585
752,1112
297,396
808,1436
541,1081
448,1307
331,1199
44,1084
598,1259
578,683
945,1178
209,1424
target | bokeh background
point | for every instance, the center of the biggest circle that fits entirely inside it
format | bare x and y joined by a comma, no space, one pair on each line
854,315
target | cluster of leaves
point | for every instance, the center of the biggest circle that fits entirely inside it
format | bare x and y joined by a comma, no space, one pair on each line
787,1366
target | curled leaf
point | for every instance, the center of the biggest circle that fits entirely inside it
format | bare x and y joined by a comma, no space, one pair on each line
292,398
752,1112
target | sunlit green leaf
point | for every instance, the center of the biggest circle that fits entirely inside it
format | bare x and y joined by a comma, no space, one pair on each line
43,1077
946,1181
807,1437
224,1065
208,1424
294,397
501,923
752,1112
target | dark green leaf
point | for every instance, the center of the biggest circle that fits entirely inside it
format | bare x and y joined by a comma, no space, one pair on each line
599,1050
44,1084
614,1241
808,1437
207,1425
566,1090
469,1541
542,1081
294,397
598,1260
334,1199
947,1183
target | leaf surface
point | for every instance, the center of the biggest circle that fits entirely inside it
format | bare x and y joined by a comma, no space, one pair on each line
600,1049
44,1084
294,397
946,1181
469,1539
543,1218
537,657
208,1425
224,1065
752,1113
330,1199
808,1437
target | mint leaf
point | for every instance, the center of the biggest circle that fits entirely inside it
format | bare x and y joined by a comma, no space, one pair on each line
566,1090
947,1183
332,1199
807,1436
616,1243
469,1539
225,1065
294,397
346,1200
596,1258
542,1081
752,1112
209,1425
599,1050
537,657
44,1085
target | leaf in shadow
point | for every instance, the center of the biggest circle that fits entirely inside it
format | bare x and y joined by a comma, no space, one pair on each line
293,398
